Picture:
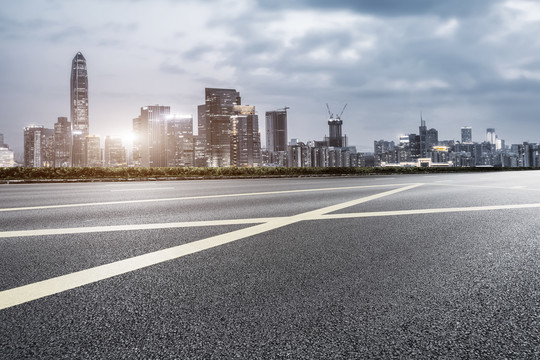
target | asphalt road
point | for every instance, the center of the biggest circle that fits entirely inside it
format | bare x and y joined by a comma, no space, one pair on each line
416,266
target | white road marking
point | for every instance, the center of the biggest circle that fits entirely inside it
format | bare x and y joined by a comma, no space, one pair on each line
427,211
95,229
485,186
144,189
192,197
23,294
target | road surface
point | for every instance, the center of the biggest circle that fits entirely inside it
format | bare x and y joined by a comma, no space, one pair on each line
410,266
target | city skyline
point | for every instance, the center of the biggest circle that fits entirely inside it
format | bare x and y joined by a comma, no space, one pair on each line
461,65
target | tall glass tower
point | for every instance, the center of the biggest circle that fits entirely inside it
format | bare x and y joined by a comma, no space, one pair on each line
79,108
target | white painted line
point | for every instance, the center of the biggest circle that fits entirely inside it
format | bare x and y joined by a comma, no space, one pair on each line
192,197
23,294
485,186
146,189
426,211
112,228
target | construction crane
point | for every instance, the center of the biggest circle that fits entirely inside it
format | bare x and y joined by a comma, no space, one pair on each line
341,113
331,116
285,108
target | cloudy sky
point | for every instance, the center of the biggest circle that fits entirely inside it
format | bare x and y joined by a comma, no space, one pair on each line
474,63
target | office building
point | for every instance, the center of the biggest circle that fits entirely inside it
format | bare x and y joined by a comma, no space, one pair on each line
491,137
62,143
245,138
150,145
180,142
466,135
38,146
94,156
6,156
214,119
114,152
79,109
422,143
276,135
432,139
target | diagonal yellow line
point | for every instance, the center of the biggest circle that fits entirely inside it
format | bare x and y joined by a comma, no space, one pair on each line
37,290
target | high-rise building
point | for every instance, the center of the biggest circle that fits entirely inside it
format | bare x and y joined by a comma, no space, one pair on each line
79,108
432,139
276,136
276,130
334,128
6,154
93,151
422,129
466,135
150,145
491,137
62,143
115,153
245,137
38,146
6,157
214,124
180,141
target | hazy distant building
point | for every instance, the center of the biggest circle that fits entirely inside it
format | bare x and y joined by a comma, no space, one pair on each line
38,146
214,119
432,138
466,135
94,156
79,108
423,133
180,142
150,128
491,137
245,139
114,152
276,135
6,155
62,143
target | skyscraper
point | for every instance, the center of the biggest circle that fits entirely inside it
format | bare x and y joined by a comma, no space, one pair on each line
276,130
150,147
115,153
180,143
94,155
466,135
214,124
422,129
79,108
38,146
276,135
491,137
62,143
245,137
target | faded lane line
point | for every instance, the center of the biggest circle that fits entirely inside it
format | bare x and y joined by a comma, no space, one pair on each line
23,294
425,211
144,189
193,197
111,228
484,186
